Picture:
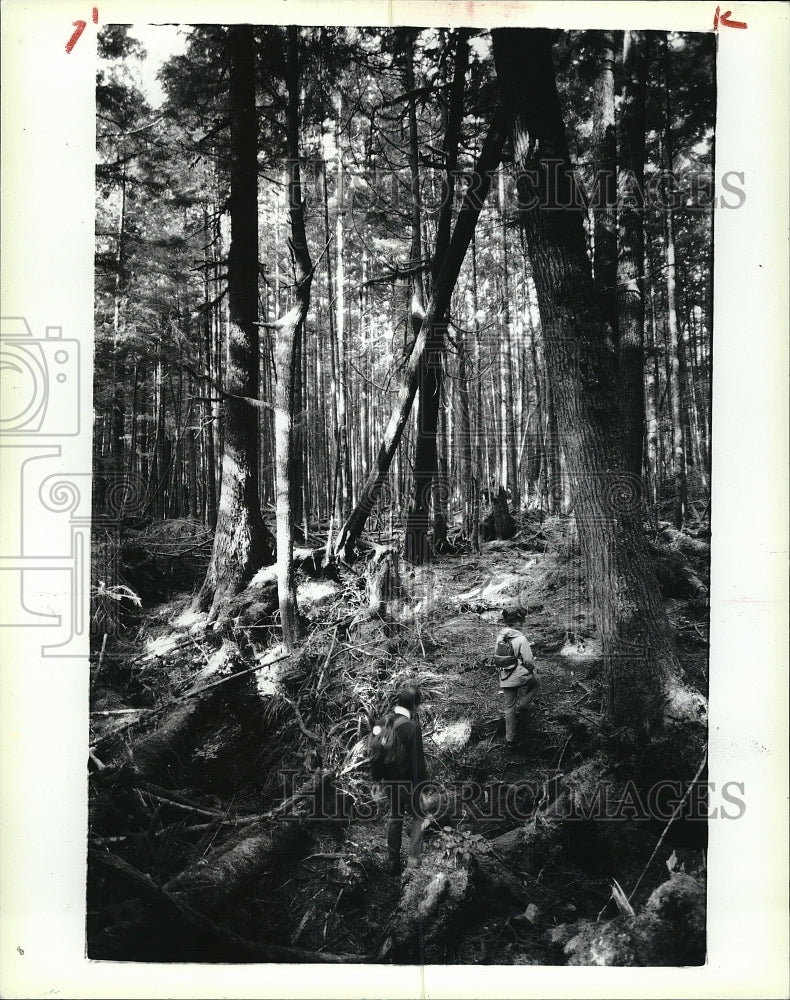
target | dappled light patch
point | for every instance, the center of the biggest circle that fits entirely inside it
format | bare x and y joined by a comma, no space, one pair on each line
454,735
313,593
162,645
191,619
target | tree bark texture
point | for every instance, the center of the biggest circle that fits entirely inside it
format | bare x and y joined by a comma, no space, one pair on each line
642,669
673,336
630,262
426,459
287,353
605,179
242,543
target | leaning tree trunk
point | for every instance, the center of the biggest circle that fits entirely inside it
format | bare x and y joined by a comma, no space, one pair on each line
425,455
437,307
426,458
630,264
242,542
643,684
288,338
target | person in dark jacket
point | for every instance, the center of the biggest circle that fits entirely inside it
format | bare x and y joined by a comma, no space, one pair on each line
402,789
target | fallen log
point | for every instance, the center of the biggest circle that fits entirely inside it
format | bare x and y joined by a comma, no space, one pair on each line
676,576
225,874
218,879
163,748
684,543
428,912
238,947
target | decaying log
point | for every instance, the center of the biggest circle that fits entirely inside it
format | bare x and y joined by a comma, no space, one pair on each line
162,748
226,873
430,906
238,947
220,878
676,576
683,542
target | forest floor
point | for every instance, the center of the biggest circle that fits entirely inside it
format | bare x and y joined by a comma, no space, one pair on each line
201,851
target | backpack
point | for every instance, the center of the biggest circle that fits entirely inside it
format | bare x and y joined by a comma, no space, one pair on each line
505,658
389,755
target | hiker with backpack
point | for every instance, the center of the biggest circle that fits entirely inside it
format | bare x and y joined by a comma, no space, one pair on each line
397,760
518,684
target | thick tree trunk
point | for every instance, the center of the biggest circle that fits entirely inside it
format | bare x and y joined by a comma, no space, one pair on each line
241,543
642,669
288,336
630,263
437,307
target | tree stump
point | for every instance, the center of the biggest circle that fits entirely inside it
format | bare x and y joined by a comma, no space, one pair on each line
382,581
499,523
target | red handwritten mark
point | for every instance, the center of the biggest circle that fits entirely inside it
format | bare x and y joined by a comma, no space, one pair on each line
724,19
80,26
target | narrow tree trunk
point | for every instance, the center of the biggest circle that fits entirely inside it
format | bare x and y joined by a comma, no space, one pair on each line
630,263
289,332
678,443
507,402
344,456
117,422
641,665
604,199
437,307
241,542
540,405
425,460
477,423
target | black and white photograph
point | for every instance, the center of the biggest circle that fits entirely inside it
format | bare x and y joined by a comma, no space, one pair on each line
402,377
393,570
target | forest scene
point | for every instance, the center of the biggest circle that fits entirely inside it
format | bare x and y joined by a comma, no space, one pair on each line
403,339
